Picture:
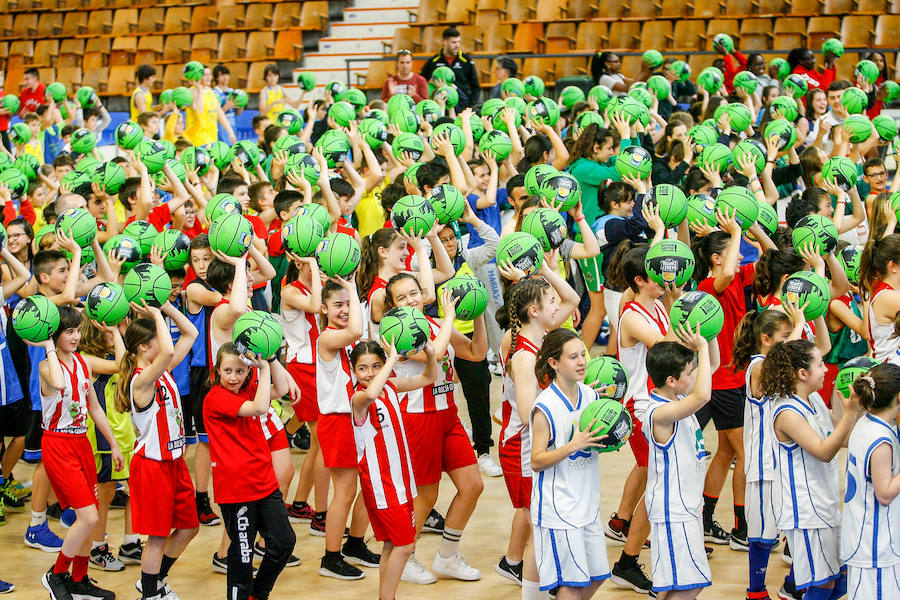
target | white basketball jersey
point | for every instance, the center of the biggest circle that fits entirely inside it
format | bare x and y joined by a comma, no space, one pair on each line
66,410
437,396
868,528
806,491
759,452
334,383
634,359
301,330
566,495
885,345
676,469
160,424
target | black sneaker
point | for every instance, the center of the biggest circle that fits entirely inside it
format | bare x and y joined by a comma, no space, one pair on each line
632,578
361,556
219,565
789,592
120,499
9,498
511,572
434,523
714,534
708,550
54,511
293,561
739,540
786,554
300,439
57,584
87,589
130,554
339,569
205,514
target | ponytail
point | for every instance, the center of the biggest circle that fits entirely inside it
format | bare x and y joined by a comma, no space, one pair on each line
371,261
873,263
779,370
614,275
140,331
878,388
749,332
772,267
524,294
704,248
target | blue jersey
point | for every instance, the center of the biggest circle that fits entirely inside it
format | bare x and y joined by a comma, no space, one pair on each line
230,116
181,373
490,215
100,381
200,319
11,392
36,355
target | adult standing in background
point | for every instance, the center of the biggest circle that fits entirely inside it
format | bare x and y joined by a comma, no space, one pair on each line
32,94
606,69
405,81
204,117
466,75
504,68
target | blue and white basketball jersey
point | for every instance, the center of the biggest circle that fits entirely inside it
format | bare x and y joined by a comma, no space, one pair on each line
567,495
806,493
676,469
759,452
868,528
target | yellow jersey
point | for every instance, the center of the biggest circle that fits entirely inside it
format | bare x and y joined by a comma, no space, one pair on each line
369,213
272,94
148,102
202,128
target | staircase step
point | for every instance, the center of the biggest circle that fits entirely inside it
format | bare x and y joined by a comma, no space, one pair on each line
371,45
347,30
378,14
317,60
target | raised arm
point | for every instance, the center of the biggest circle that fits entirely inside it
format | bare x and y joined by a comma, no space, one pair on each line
188,334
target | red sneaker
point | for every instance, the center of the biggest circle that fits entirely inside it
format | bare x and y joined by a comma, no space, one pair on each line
300,512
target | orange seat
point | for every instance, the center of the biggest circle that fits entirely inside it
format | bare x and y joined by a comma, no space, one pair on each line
70,52
75,23
123,50
152,20
660,32
521,10
698,62
874,7
432,37
673,9
498,37
529,38
125,22
204,47
232,45
173,76
570,66
255,78
822,28
583,9
790,33
289,45
838,7
121,80
50,25
740,8
542,67
756,34
858,31
716,26
6,25
560,37
471,35
258,16
706,9
689,35
592,35
406,38
229,18
177,48
68,76
376,74
25,26
286,15
97,78
149,49
461,11
21,53
260,45
552,10
200,18
96,53
624,35
773,7
886,30
178,18
490,11
45,53
805,7
314,14
238,73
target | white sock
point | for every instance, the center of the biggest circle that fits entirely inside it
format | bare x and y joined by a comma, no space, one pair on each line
531,590
97,544
450,542
512,563
130,538
38,518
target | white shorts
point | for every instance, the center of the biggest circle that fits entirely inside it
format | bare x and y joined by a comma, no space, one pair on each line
571,557
611,300
761,522
873,584
678,556
815,555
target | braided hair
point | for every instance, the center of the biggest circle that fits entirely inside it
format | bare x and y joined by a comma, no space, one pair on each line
522,296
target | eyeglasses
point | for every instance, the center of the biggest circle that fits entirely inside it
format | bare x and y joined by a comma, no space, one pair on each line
878,174
404,53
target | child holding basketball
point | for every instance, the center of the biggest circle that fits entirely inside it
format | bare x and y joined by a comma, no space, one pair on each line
879,276
385,469
569,543
873,463
162,494
67,397
807,441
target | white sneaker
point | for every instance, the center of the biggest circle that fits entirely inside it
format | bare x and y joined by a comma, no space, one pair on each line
495,369
455,566
497,416
415,572
165,592
488,466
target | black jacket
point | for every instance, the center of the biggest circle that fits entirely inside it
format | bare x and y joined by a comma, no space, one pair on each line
466,76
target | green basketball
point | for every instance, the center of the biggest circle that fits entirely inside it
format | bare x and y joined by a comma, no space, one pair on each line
28,164
107,304
570,96
785,130
448,94
739,116
87,97
128,135
152,154
342,112
147,282
35,318
534,86
710,79
239,98
406,328
851,370
795,85
544,110
746,81
87,256
83,141
472,294
740,201
806,287
885,126
587,118
724,42
220,152
496,142
517,104
193,71
681,70
257,332
374,132
652,58
634,161
601,95
535,176
754,150
248,153
10,103
406,120
197,159
335,145
291,120
319,213
356,98
19,133
335,88
859,127
413,214
222,204
175,248
786,107
491,106
867,70
660,86
642,95
671,202
306,81
448,202
701,210
303,164
840,170
6,161
547,226
400,102
110,177
456,134
289,144
611,421
475,123
631,109
87,165
891,90
177,169
170,149
338,255
833,45
78,224
143,233
782,67
513,86
444,75
182,97
669,261
165,97
607,375
522,250
301,234
817,230
77,181
768,217
500,125
410,143
40,233
410,173
562,192
231,234
698,308
429,110
716,155
702,136
850,258
720,110
855,100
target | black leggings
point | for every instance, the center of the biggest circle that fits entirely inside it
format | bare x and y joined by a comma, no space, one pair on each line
476,384
269,517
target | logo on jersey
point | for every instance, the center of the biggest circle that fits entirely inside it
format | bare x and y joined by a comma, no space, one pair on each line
700,449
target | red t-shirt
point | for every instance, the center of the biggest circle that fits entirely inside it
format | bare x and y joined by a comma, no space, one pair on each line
734,63
262,232
821,79
734,306
241,461
4,119
194,230
274,245
160,217
30,100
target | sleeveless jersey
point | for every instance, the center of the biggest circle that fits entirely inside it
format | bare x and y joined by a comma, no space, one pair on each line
202,128
514,430
385,466
200,320
884,345
634,359
301,331
806,493
275,94
160,425
212,344
435,397
846,343
334,383
868,528
148,101
565,495
66,410
759,451
370,327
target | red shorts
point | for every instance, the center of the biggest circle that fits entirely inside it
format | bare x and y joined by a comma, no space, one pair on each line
636,440
395,524
337,442
437,442
162,496
69,462
518,485
307,407
278,441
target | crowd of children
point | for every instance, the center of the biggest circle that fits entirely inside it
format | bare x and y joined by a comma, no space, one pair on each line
97,406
